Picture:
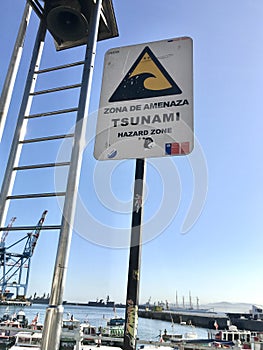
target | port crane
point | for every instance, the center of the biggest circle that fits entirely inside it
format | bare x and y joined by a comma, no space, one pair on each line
15,267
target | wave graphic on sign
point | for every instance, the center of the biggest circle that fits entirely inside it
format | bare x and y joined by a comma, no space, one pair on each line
146,78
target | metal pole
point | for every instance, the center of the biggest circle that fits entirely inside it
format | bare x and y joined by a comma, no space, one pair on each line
19,134
13,68
132,299
54,312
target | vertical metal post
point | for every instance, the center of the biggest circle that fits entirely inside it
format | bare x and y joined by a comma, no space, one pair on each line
132,299
13,68
14,155
54,312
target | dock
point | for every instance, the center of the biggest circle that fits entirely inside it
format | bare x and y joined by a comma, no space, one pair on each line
205,319
198,319
15,303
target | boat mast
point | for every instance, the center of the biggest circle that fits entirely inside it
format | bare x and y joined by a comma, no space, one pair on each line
190,300
176,300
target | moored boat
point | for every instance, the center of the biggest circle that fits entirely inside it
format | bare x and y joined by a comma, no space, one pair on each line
6,338
70,324
102,303
233,334
95,347
27,341
113,328
13,322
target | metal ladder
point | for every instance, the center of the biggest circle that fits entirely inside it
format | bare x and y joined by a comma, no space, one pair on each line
54,313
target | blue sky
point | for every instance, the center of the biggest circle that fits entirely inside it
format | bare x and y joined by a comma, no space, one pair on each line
219,257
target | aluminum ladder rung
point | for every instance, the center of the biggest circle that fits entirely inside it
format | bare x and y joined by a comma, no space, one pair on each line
46,114
61,88
39,166
36,195
51,69
30,228
48,138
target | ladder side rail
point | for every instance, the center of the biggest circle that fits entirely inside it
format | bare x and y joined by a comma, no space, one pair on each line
13,68
37,8
54,313
16,147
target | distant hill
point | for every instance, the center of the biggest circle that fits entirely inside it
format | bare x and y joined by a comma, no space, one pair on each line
225,306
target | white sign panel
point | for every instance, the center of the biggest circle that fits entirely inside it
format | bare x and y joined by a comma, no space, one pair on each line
146,103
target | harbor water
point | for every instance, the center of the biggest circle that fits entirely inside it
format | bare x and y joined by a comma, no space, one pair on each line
148,329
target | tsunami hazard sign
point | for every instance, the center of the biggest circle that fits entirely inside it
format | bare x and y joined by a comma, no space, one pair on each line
146,102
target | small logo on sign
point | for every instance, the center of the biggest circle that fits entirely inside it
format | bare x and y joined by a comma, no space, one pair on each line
112,154
149,143
177,148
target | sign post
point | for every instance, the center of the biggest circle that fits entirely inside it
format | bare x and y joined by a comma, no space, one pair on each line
146,110
132,297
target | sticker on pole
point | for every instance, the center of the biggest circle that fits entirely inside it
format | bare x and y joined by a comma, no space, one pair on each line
146,102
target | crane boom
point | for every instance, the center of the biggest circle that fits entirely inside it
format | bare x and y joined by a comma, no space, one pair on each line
4,235
30,247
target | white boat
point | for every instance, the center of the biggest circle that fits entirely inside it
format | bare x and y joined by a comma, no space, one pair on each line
89,333
70,324
27,341
179,338
22,319
114,328
155,347
6,338
233,334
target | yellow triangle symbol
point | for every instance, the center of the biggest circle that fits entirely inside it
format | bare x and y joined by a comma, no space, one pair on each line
158,81
147,78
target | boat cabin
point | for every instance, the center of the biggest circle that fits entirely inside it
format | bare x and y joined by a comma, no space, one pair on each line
87,329
112,331
21,318
11,324
116,321
70,324
27,339
233,334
